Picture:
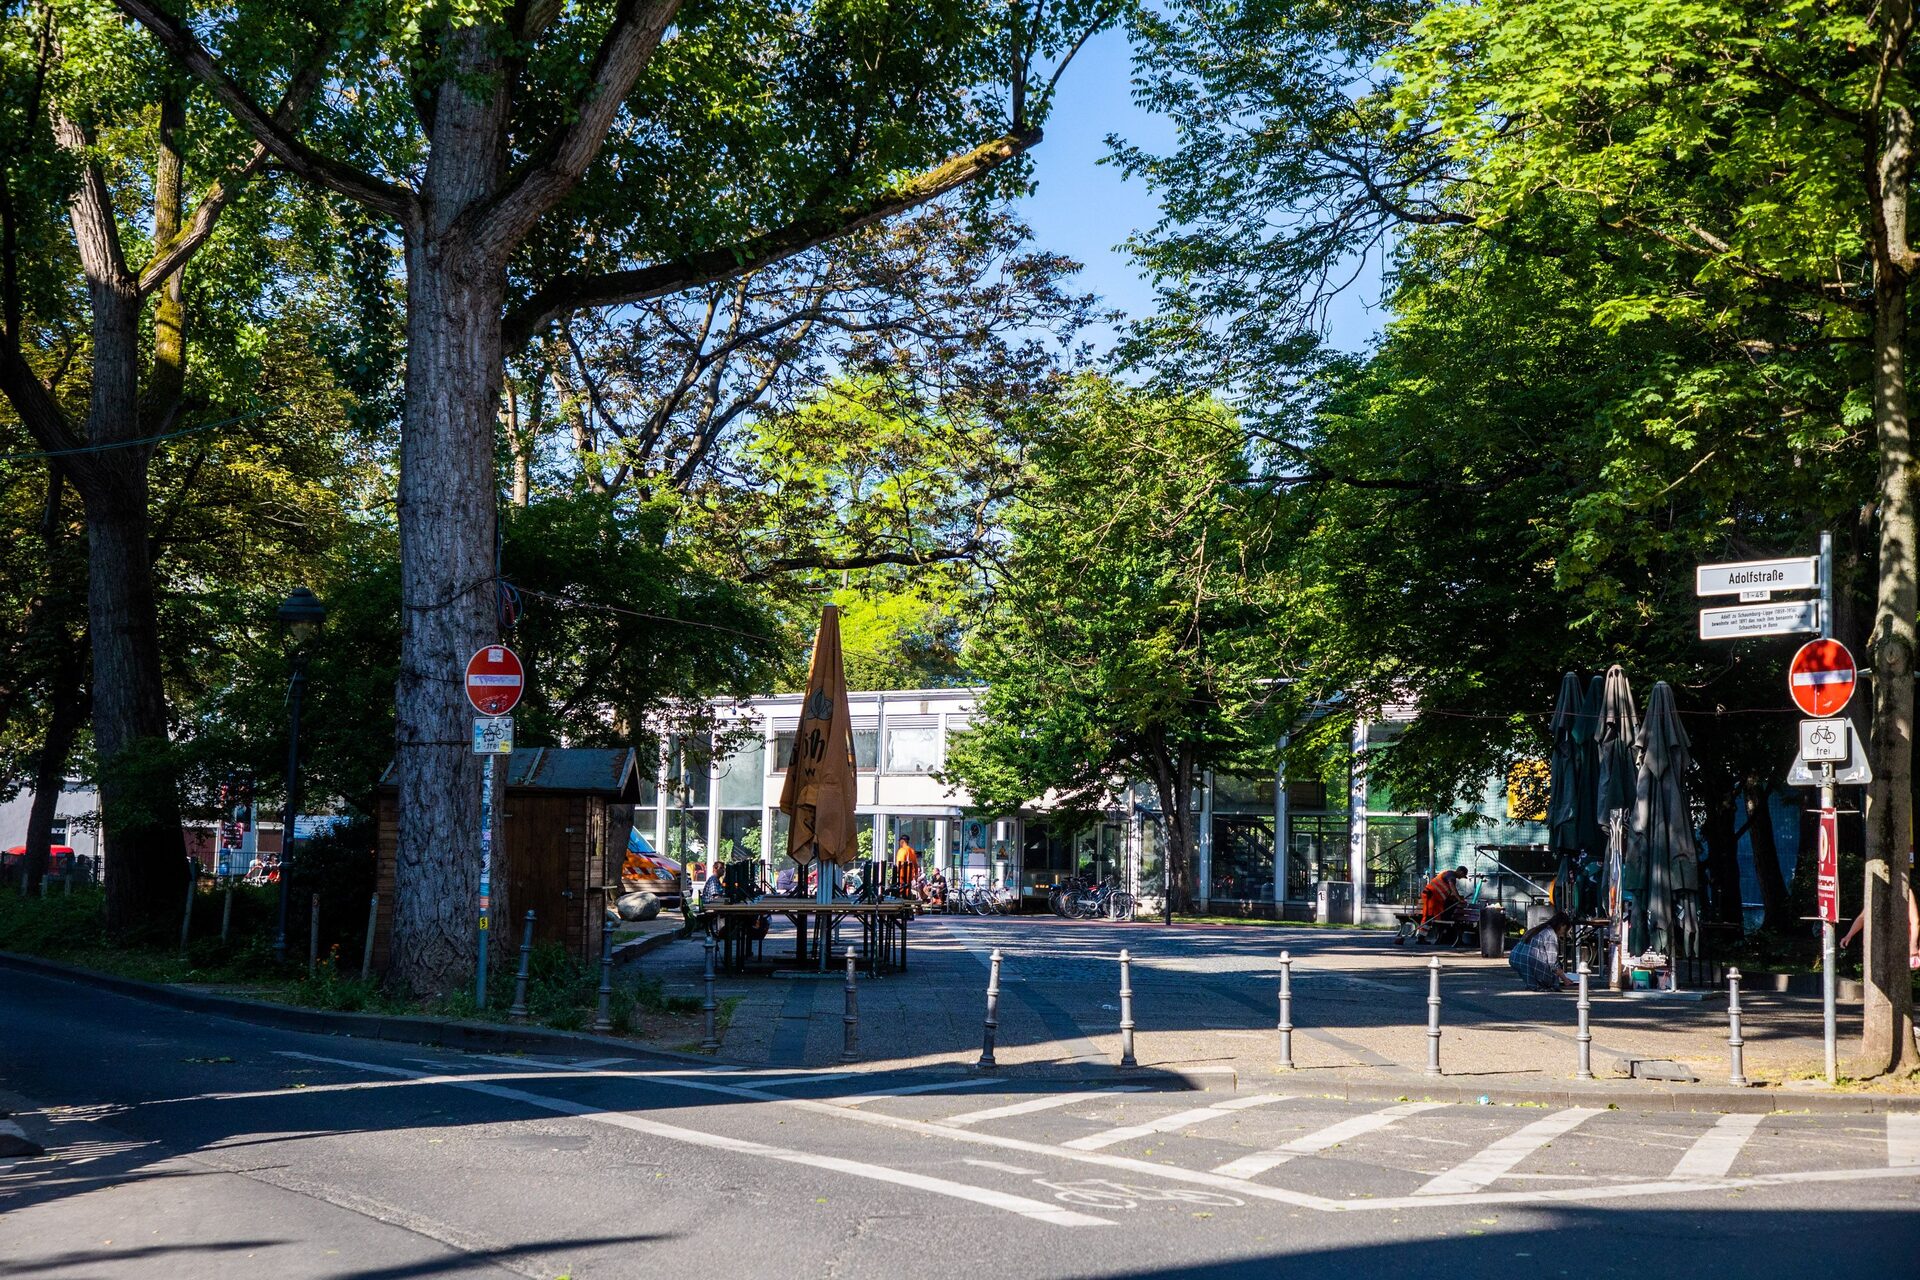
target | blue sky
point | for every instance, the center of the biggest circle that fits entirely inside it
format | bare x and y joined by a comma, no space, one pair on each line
1083,208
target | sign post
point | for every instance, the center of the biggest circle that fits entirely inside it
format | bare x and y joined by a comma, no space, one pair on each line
494,681
1834,692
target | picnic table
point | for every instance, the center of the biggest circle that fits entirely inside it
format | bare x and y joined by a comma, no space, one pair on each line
883,931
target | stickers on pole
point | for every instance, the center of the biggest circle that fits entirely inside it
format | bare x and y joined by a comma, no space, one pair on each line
495,680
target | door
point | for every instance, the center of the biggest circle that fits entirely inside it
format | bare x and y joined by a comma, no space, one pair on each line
538,845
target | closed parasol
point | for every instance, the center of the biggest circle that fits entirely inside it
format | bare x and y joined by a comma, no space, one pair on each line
819,792
1570,794
1615,777
1662,867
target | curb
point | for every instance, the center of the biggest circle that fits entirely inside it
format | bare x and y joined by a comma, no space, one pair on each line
1758,1100
448,1033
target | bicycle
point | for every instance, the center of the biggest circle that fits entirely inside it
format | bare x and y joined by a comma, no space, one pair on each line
1101,1193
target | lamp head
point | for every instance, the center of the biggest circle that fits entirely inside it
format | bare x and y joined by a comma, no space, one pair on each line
301,614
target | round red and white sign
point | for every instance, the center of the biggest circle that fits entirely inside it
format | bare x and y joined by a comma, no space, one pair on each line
1822,677
494,680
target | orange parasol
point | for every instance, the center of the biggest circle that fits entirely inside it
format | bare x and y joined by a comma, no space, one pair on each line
819,791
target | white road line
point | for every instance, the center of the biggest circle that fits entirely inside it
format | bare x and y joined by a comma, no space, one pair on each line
1261,1161
1178,1120
1714,1151
781,1082
1476,1172
905,1090
1038,1104
1003,1168
1903,1140
1038,1210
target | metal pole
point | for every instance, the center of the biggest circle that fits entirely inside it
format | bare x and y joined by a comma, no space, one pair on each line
186,918
603,1018
366,948
709,1007
1433,1016
485,921
1126,1010
850,1043
993,1010
313,932
295,690
1584,1036
1736,1067
226,912
518,1011
1286,1010
1829,957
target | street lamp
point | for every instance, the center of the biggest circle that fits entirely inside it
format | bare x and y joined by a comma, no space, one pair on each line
301,615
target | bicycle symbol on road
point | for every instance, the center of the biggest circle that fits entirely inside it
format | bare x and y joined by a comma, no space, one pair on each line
1099,1193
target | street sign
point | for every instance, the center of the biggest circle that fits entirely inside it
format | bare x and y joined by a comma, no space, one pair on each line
495,679
1741,622
1827,884
1821,741
1855,772
1795,573
493,735
1821,677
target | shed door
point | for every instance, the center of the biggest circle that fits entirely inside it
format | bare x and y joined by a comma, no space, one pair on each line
537,852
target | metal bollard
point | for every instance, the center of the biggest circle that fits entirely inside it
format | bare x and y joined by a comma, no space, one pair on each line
850,1043
313,933
603,1019
993,1011
1433,1016
1584,1036
1126,1011
226,912
1286,1010
709,1007
1736,1071
186,918
366,948
518,1011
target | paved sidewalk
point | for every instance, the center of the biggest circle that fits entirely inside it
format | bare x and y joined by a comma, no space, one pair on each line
1205,1000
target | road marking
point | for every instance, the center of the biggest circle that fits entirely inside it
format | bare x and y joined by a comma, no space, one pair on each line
1903,1140
1476,1172
781,1082
1714,1151
905,1090
1178,1120
1020,1169
1038,1210
1332,1135
1039,1104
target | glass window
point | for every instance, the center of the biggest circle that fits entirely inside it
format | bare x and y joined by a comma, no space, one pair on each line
866,748
913,748
687,760
1397,860
741,777
1243,859
1153,871
1242,795
740,835
1316,851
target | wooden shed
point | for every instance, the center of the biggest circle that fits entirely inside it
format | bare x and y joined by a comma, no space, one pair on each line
559,834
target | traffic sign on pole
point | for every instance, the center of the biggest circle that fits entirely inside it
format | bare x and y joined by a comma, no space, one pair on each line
495,680
1827,885
1822,677
1742,622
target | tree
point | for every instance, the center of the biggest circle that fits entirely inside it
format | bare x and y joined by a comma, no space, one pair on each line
538,161
1131,627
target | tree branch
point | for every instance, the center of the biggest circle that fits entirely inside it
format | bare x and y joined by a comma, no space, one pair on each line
395,201
567,294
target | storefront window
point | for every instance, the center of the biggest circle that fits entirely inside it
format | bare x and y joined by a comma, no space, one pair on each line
741,776
1153,871
1397,860
913,748
739,835
866,747
1316,851
1242,859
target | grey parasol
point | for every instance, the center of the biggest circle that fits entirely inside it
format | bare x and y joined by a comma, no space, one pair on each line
1615,775
1567,798
1662,881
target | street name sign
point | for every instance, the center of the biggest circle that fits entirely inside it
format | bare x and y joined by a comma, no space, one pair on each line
493,735
1795,573
1821,677
495,680
1741,622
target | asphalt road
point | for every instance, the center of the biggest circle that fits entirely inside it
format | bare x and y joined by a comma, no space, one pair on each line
187,1146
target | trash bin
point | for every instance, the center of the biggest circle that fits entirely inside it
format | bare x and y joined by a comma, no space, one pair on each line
1493,932
1333,902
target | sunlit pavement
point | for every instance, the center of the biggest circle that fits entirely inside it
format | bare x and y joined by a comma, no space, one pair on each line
185,1146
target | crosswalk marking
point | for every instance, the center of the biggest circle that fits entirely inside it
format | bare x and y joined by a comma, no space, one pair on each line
1903,1140
1476,1172
1038,1104
1178,1120
1714,1151
1261,1161
901,1091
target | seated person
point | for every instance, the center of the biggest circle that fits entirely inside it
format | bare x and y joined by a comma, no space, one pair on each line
1442,899
1536,957
786,882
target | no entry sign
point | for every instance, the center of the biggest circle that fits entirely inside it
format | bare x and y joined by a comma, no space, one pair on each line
494,680
1822,677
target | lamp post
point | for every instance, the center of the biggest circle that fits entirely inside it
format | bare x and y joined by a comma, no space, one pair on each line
301,615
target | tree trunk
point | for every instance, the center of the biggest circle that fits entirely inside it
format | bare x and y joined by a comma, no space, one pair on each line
1777,915
67,706
1886,1041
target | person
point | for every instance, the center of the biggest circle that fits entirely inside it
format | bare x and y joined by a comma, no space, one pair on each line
1536,957
1913,930
1442,899
906,862
786,882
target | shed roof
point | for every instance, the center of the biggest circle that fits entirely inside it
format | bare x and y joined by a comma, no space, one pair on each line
611,772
